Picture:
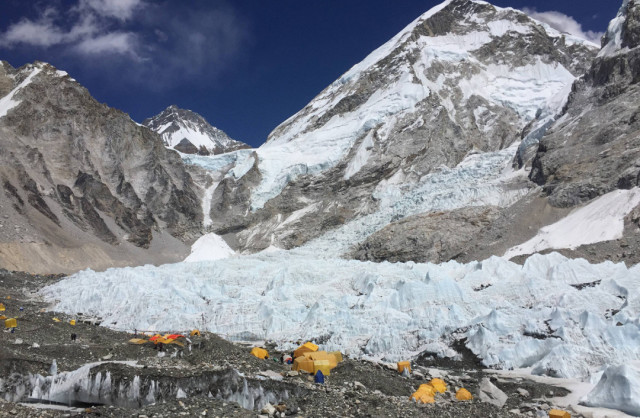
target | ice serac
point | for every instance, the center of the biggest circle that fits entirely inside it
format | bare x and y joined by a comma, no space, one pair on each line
189,133
594,147
82,185
466,77
560,317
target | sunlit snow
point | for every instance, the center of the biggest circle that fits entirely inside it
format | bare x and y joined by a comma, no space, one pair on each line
600,220
209,247
8,102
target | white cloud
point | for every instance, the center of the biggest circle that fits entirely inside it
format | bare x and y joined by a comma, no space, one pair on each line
119,9
114,43
158,44
564,23
84,28
45,32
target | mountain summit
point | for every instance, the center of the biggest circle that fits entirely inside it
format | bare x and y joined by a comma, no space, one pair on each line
466,77
190,133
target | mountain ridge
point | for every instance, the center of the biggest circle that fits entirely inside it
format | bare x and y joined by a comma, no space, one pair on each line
188,132
75,171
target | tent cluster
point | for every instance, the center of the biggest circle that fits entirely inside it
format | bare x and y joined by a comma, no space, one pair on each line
177,339
8,322
427,392
168,339
308,358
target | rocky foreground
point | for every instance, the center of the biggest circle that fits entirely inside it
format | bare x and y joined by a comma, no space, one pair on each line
214,377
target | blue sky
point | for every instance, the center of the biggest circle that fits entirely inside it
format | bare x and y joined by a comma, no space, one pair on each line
244,65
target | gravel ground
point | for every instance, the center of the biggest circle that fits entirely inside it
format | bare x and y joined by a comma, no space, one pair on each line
214,370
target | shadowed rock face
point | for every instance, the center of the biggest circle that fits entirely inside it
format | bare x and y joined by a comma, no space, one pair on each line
69,163
594,147
432,237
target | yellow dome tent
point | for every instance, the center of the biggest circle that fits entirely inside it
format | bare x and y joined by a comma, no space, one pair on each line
261,353
305,348
303,363
438,385
404,365
463,395
425,394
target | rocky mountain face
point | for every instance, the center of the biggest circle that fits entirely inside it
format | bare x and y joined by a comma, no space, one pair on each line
82,184
588,148
189,133
464,78
594,147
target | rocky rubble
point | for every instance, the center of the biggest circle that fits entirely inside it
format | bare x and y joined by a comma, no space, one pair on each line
435,237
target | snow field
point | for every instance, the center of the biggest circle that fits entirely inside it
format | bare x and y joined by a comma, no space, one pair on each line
209,247
601,220
513,316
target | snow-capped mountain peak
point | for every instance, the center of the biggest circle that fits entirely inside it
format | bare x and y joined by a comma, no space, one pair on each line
467,64
190,133
623,32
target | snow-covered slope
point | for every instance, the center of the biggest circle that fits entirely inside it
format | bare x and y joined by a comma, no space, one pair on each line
446,58
614,42
190,133
600,220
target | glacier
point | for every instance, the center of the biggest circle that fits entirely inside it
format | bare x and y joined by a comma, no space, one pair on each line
560,317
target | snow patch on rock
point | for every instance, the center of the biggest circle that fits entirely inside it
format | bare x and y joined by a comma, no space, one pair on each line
601,220
8,102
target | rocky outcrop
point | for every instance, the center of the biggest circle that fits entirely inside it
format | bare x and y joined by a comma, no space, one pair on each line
594,147
189,133
76,172
432,237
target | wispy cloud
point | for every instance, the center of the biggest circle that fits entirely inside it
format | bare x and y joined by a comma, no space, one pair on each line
564,23
114,42
154,42
85,24
119,9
